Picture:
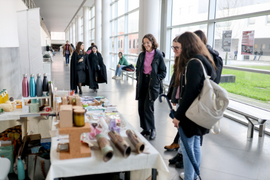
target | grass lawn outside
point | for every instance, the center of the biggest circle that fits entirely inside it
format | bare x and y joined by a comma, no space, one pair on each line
253,85
257,67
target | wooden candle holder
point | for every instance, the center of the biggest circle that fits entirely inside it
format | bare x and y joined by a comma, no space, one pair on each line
77,149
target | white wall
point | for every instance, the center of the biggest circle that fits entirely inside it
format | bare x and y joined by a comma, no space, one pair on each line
44,38
8,25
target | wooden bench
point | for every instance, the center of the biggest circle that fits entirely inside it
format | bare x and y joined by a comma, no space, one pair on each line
254,115
127,73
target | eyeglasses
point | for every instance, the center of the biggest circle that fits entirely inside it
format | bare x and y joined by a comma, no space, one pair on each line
175,48
146,43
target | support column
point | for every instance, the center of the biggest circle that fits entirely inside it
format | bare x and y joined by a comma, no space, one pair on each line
147,24
106,32
77,27
73,33
85,27
98,24
70,33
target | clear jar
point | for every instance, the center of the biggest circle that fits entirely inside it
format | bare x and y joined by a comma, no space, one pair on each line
79,117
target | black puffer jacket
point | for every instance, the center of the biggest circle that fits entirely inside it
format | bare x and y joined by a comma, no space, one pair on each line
190,91
158,73
218,62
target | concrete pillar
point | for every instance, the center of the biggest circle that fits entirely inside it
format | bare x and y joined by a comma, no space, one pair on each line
149,19
67,34
106,31
77,30
85,27
98,24
70,33
73,34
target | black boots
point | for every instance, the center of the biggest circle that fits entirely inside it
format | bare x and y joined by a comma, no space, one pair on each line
151,133
177,160
145,133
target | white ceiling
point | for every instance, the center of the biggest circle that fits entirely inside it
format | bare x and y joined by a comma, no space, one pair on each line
57,14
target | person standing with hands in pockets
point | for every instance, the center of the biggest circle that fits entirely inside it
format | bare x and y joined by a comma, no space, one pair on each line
150,71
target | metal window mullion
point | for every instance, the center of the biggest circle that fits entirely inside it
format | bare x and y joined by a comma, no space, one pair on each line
126,34
211,24
127,13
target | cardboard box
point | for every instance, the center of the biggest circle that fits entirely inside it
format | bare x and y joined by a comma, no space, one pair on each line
66,116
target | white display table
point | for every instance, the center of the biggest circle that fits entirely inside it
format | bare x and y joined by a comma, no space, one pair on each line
137,164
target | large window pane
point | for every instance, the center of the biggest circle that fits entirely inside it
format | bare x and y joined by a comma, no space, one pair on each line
189,11
261,38
113,27
178,31
121,44
112,45
133,22
133,4
133,44
121,26
113,11
93,23
121,7
93,34
227,8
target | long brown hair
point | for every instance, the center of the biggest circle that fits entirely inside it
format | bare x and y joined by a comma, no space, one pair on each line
78,48
191,45
153,40
176,58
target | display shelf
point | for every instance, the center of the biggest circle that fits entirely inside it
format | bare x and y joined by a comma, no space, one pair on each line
17,114
43,97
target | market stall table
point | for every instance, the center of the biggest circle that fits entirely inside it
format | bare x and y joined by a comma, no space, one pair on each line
135,163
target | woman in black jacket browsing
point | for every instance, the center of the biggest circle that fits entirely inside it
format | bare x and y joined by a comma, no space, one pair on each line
96,69
77,68
150,71
190,87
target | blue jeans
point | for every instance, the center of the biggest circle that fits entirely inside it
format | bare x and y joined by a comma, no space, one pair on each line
119,70
194,143
67,58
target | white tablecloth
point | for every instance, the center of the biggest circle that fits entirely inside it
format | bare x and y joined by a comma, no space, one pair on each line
96,165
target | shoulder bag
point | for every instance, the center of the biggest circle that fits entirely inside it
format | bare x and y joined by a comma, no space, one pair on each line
208,108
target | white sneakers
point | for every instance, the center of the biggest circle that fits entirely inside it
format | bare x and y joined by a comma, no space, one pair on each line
182,176
116,77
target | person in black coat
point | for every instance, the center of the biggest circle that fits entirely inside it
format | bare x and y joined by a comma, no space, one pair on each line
96,69
150,71
190,87
77,68
215,55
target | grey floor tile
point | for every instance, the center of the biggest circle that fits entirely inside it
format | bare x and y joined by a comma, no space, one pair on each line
226,156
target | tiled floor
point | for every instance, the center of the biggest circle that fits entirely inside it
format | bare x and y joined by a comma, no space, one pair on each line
227,156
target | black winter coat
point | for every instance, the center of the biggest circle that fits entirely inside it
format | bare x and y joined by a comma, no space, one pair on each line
75,65
218,62
172,90
189,93
158,73
95,69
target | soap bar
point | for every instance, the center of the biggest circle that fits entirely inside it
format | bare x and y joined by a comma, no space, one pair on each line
66,116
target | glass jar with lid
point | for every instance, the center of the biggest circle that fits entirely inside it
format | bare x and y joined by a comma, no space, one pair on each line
79,117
